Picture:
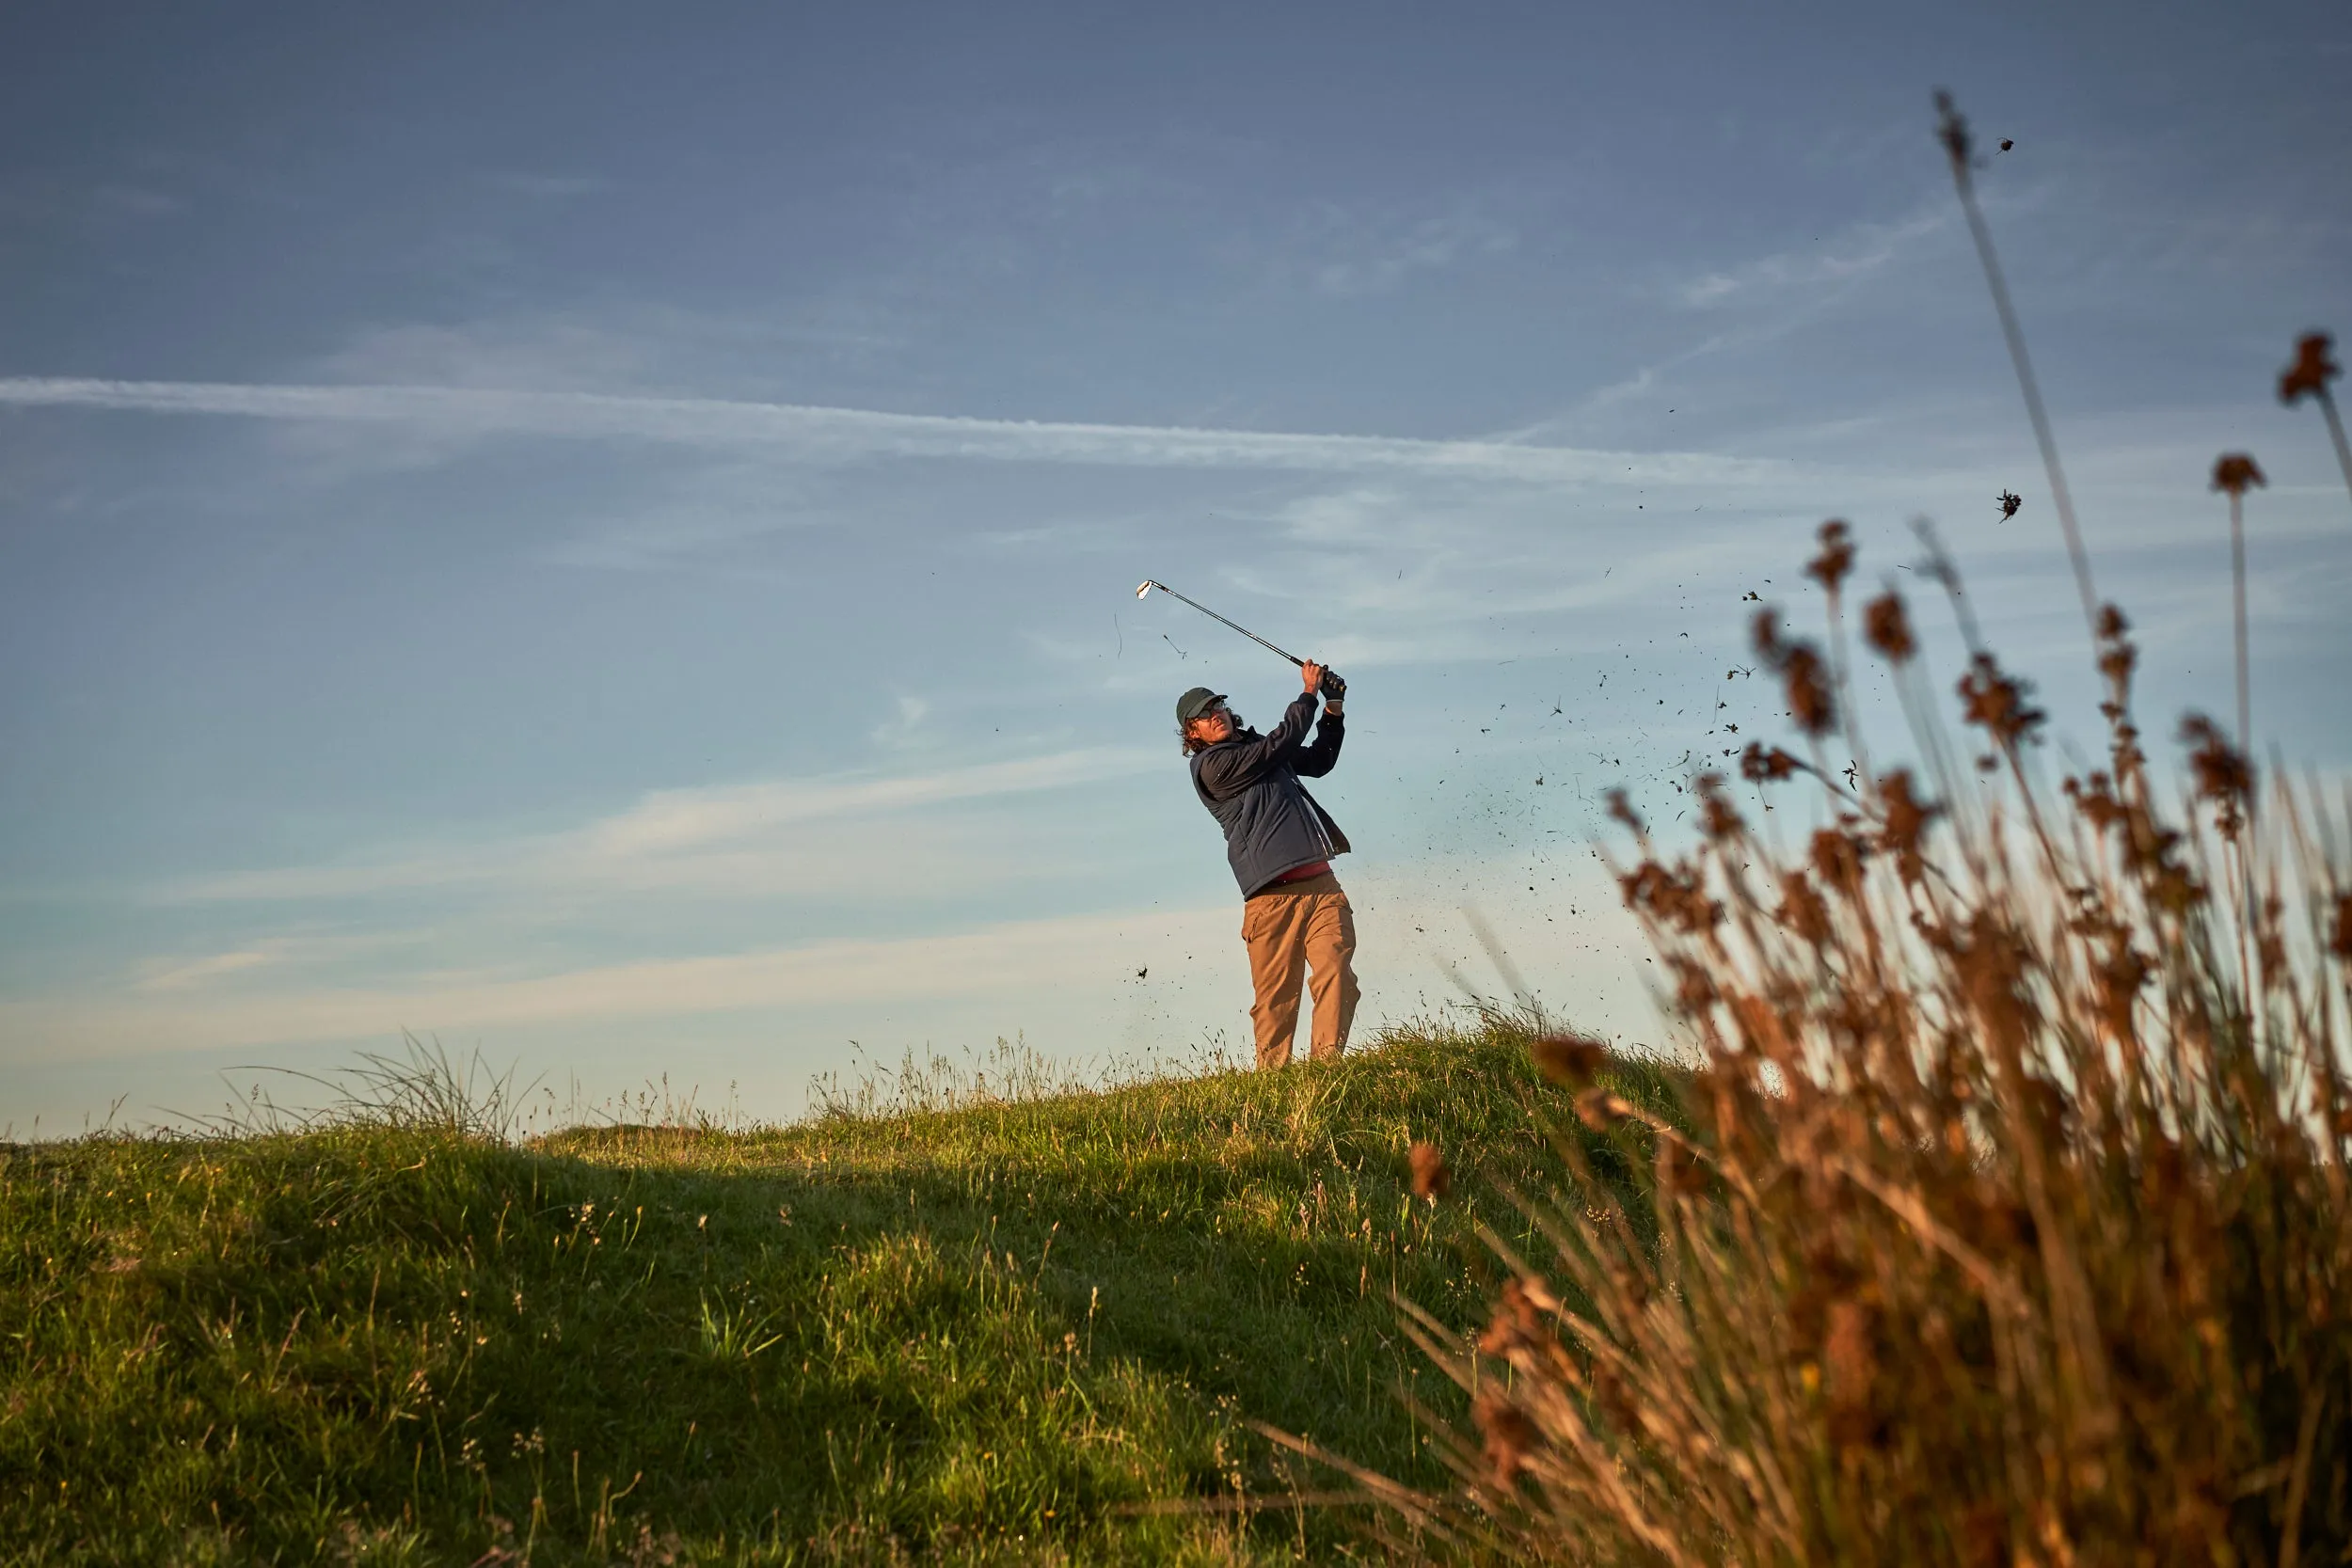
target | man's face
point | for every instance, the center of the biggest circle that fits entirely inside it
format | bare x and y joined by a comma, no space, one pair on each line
1216,726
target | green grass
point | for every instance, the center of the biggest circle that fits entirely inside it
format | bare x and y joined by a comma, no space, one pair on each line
983,1333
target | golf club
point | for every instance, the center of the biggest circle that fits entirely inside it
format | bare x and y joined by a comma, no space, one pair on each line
1332,685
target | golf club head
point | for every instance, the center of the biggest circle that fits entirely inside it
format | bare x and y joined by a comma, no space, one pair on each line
1146,588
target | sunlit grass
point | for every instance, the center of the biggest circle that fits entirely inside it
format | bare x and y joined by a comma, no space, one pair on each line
1007,1329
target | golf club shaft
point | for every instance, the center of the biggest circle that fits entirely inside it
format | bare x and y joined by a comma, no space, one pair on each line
1215,616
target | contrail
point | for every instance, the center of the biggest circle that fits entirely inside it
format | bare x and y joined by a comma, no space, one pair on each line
820,433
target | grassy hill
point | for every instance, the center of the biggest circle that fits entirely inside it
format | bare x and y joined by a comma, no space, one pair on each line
1025,1330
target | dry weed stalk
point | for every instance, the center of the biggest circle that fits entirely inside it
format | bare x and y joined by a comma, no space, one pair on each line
2011,1221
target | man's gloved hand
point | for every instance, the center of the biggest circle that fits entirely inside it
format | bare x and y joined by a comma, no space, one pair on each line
1331,686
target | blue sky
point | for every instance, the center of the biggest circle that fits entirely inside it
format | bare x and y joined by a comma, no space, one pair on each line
606,534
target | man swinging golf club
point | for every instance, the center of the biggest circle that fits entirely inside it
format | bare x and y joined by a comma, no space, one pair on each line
1280,843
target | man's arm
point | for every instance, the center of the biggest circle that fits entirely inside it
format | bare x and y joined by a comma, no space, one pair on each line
1315,761
1228,770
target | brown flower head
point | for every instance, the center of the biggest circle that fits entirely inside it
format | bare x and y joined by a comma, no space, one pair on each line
1952,131
2236,473
1614,1399
1676,896
1510,1435
2011,501
1809,700
1694,986
1515,1323
2223,774
2117,656
2311,371
1431,1180
1622,813
1907,819
1998,702
2340,937
1719,818
1830,567
1802,909
2121,976
1569,1060
1762,764
1838,861
1599,1110
2096,800
1803,669
1886,626
1679,1172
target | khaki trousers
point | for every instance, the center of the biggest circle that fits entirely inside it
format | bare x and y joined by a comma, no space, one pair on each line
1288,929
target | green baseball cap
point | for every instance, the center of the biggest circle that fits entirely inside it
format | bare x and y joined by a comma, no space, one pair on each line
1193,703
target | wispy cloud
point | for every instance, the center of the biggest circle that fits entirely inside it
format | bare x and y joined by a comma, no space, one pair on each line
1857,252
664,826
544,186
1011,959
901,730
1371,261
817,434
213,966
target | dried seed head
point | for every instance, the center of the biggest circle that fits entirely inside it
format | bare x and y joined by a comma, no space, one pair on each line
2121,976
2223,774
1518,1321
2339,936
1801,668
2311,371
2095,799
1599,1110
2011,501
2236,473
1830,567
1694,986
1838,861
1676,896
1621,812
1762,764
1431,1180
1614,1399
1998,702
1569,1060
1510,1435
1809,702
1907,819
1679,1172
1719,819
1886,626
1952,131
2117,659
1802,909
